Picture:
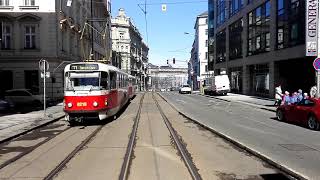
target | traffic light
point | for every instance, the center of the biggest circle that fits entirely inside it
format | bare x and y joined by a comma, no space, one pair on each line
174,60
167,61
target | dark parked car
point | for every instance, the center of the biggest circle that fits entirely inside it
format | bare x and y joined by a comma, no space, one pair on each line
306,112
5,106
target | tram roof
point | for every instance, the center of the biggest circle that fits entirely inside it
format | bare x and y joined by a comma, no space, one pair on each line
102,66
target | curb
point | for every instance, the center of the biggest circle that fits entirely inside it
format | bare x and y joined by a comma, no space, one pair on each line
240,102
29,130
292,173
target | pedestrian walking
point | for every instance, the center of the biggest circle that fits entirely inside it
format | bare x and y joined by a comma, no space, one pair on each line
300,95
286,98
278,95
313,91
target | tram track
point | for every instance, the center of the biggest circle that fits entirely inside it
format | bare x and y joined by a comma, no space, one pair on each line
179,144
285,172
132,141
62,164
32,148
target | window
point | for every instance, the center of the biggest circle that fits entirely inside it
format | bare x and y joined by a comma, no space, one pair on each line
31,80
267,41
206,55
280,38
121,34
259,30
294,31
4,2
221,46
280,7
235,39
258,42
30,37
6,36
235,6
290,23
221,12
206,43
206,20
206,31
29,2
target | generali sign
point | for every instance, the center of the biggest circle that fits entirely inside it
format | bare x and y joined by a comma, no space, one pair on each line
312,15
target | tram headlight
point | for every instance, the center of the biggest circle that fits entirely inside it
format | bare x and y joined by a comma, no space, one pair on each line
95,104
106,102
69,105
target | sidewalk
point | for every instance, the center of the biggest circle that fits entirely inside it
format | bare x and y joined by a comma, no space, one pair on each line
15,124
259,102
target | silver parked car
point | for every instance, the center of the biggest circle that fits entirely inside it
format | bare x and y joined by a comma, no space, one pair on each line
21,97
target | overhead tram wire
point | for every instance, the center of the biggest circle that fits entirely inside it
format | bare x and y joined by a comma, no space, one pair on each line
177,2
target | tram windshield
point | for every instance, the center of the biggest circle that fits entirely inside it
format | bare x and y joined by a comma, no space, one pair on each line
86,81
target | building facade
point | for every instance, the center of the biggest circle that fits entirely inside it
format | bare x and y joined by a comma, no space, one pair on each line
53,30
199,51
165,77
131,53
260,44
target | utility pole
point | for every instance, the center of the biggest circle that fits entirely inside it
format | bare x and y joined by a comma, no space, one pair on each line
91,54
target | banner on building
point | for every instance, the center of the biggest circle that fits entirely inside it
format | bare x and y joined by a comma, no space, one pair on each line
312,15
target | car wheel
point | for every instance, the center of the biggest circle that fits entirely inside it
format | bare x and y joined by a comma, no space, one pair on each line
313,123
280,115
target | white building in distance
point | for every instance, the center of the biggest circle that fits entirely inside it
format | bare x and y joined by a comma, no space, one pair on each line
199,52
49,29
130,53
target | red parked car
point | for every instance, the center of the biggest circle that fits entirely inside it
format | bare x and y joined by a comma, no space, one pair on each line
306,112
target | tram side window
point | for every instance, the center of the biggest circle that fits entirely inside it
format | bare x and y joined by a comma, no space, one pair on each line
113,80
104,80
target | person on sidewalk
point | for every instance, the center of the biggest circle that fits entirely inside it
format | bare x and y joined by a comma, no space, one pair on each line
300,95
278,95
313,91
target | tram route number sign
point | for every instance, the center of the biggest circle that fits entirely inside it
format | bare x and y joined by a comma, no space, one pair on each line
316,64
84,67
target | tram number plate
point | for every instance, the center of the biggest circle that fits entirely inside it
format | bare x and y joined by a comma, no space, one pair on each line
80,104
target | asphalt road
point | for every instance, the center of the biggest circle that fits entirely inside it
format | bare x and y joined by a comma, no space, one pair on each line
294,147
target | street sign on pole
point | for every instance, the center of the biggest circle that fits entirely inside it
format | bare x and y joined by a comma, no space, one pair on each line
44,67
312,22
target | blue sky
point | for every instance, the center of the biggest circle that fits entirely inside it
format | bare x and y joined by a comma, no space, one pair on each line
165,29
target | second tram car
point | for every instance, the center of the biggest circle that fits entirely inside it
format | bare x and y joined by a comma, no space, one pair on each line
95,90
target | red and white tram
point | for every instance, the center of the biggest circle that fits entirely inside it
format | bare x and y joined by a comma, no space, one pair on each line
95,90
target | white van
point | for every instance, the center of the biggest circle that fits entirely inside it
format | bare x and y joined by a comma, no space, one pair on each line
219,84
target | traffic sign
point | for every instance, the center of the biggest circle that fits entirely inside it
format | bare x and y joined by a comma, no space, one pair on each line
316,64
47,74
43,64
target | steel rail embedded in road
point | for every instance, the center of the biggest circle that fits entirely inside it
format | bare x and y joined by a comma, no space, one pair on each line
56,170
127,158
15,158
290,174
181,148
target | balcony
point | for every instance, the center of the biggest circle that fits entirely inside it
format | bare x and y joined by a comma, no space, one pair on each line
6,7
29,7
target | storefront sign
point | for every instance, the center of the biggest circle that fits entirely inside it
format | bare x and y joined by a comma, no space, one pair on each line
312,15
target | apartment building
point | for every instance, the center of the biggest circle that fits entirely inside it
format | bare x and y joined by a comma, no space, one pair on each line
50,29
260,44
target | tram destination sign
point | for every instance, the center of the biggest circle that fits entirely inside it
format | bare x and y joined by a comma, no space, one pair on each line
312,16
85,67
